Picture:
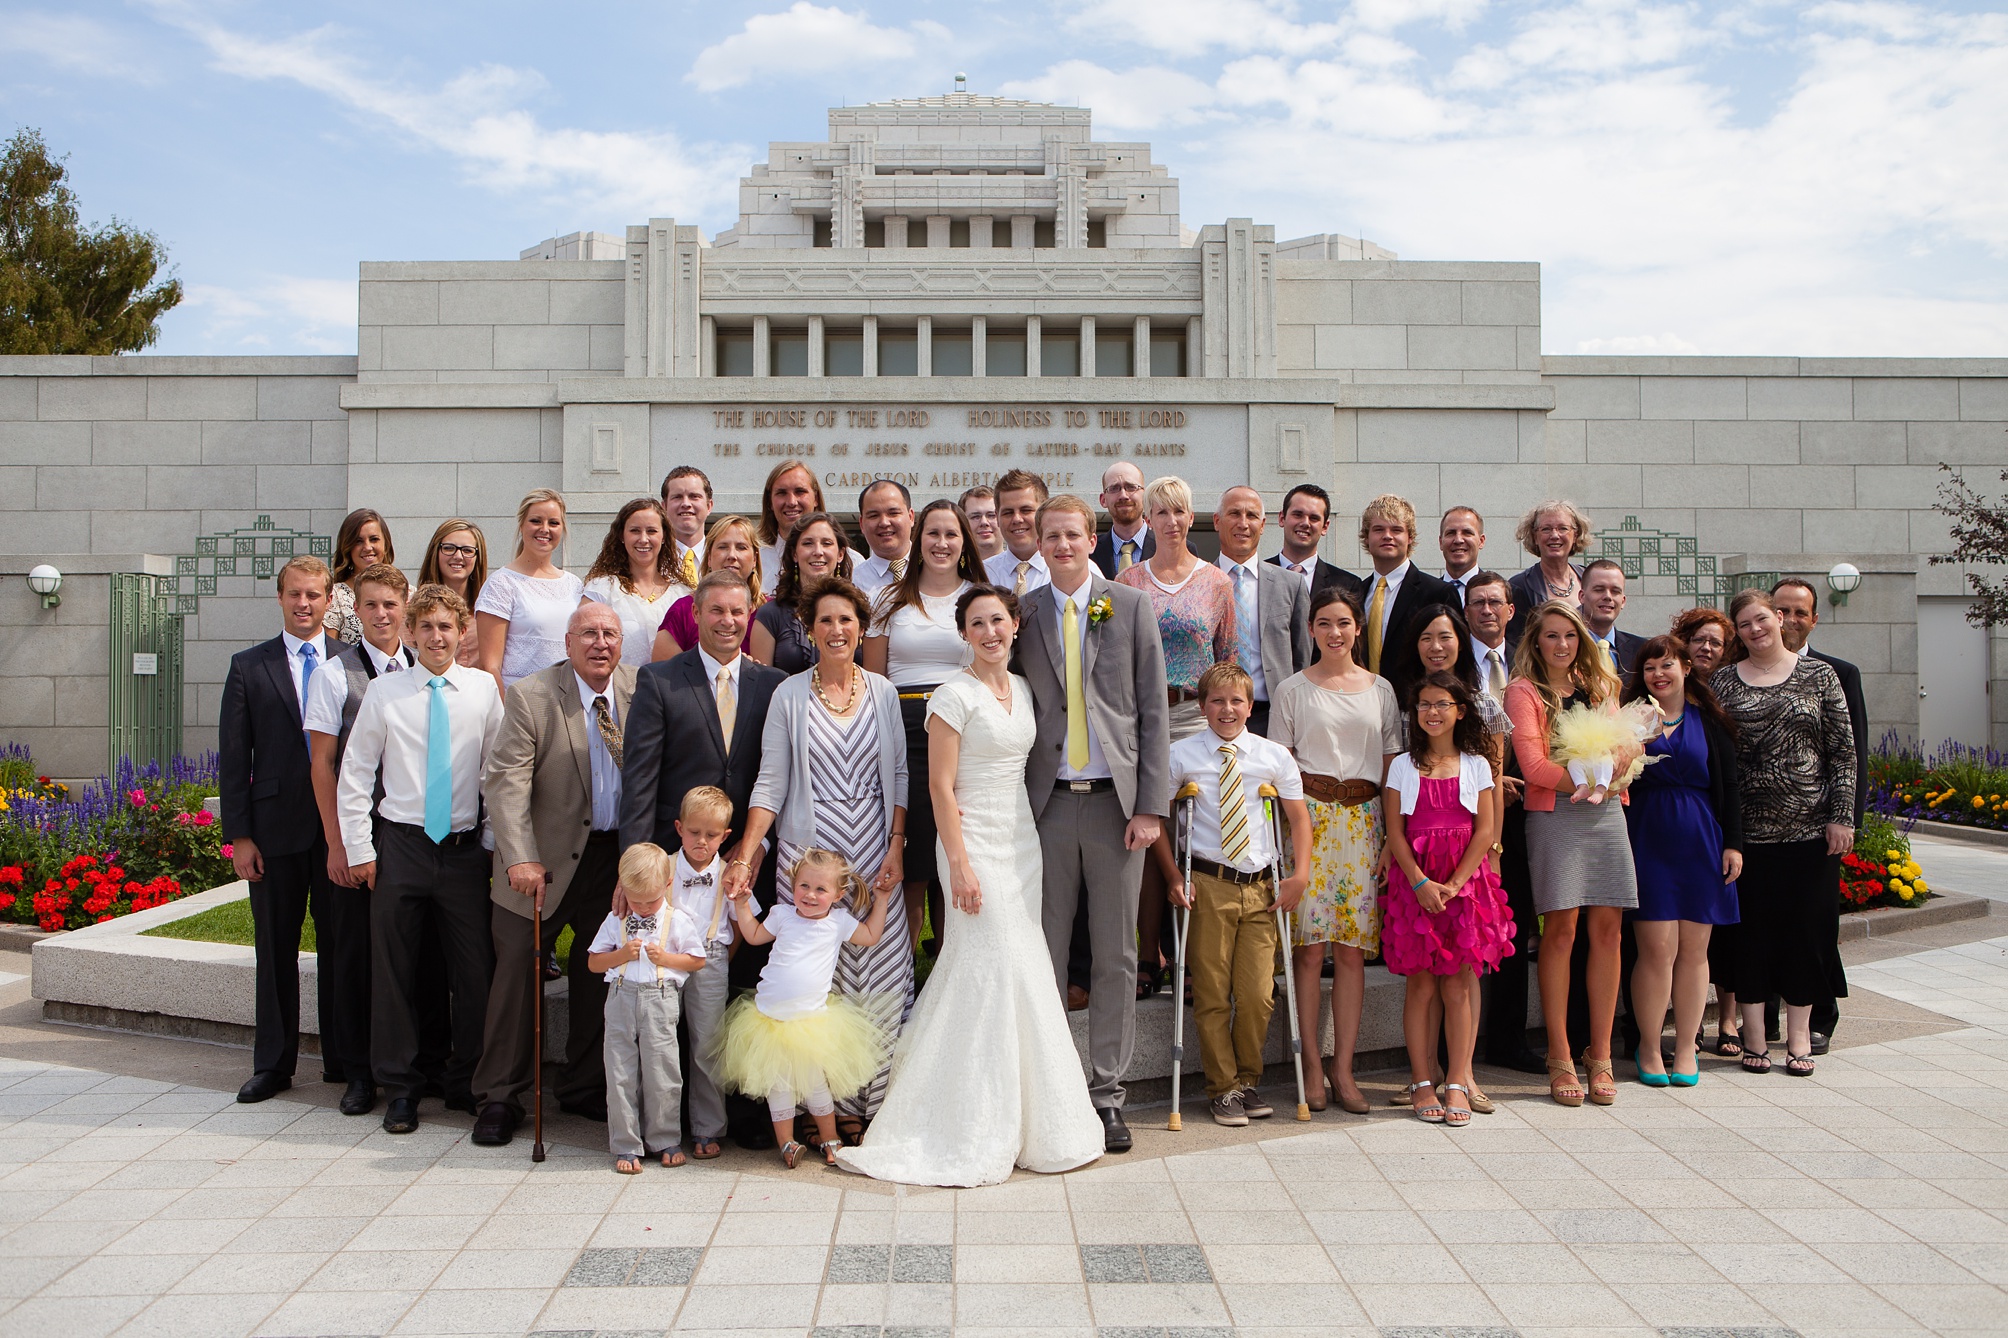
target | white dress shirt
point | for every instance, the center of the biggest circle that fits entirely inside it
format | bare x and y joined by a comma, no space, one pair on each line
712,668
391,731
872,575
1394,580
1002,570
1308,569
701,900
1196,758
1098,766
606,776
297,663
669,928
1459,581
1247,581
328,694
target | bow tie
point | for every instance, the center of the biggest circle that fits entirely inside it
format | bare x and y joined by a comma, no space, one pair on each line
701,880
639,925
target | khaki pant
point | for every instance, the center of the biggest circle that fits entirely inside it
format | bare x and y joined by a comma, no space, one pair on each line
644,1071
1231,949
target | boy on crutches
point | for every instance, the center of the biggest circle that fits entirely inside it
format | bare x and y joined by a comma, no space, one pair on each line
1232,899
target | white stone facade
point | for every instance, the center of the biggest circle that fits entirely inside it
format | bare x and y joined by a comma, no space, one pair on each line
945,289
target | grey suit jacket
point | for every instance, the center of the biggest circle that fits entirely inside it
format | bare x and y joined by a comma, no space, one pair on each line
1122,672
1283,603
539,781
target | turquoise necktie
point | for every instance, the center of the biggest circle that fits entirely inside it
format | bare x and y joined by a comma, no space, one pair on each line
438,766
309,657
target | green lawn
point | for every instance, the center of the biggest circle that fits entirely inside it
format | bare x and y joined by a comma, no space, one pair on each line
232,924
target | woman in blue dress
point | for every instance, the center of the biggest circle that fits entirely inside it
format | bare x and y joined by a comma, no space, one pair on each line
1686,831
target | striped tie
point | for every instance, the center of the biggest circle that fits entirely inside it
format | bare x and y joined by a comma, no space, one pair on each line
1233,809
898,566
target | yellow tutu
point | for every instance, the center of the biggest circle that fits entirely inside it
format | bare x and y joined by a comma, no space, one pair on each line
838,1047
1585,735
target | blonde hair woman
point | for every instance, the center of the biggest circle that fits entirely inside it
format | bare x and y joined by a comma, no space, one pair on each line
1578,854
521,617
731,544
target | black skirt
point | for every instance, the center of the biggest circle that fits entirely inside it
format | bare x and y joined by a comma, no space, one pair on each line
919,857
1788,942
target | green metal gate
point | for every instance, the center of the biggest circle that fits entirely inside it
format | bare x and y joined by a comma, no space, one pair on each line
145,670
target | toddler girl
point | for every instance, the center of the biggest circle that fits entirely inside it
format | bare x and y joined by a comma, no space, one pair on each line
1446,917
791,1040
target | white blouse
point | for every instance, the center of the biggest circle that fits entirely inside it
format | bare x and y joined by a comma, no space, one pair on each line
923,646
1474,777
640,618
538,612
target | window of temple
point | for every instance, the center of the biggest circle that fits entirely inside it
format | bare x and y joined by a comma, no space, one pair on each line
735,353
1059,353
1004,352
844,353
1112,352
1098,232
898,352
823,233
954,352
958,232
874,232
788,353
1167,353
1043,234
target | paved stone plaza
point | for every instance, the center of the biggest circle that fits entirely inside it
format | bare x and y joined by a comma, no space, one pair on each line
139,1198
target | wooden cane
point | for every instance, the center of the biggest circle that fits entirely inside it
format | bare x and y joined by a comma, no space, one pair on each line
1181,826
537,1049
1275,821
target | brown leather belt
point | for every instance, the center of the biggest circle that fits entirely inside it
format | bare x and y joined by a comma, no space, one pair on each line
1227,874
1332,790
1174,696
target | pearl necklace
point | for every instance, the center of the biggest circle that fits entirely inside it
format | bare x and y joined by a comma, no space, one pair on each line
816,681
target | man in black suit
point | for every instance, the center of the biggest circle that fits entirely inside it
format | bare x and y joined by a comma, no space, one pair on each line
696,719
1603,601
273,824
1128,540
1398,589
1461,540
1798,614
1304,520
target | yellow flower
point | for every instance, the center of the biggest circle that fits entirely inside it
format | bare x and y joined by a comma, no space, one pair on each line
1892,854
1922,886
1904,893
1896,885
1978,802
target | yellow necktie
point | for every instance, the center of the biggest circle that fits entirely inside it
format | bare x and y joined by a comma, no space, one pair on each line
1233,809
1123,558
1374,624
1018,586
1077,697
728,708
898,568
687,569
1610,655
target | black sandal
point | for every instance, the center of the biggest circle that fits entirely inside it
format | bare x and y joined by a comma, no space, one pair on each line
1757,1062
1146,986
1728,1047
852,1130
1799,1066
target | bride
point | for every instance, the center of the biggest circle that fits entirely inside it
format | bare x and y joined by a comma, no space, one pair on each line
986,1076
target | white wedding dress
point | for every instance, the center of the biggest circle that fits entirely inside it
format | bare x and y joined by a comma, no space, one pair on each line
986,1076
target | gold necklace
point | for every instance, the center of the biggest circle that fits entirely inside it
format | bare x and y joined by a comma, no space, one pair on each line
816,681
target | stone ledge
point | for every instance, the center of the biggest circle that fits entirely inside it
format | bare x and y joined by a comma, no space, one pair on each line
1973,836
1943,908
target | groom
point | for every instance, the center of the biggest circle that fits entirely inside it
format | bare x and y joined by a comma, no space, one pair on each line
1099,775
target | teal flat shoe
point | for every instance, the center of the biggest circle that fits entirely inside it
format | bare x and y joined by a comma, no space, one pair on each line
1684,1079
1650,1079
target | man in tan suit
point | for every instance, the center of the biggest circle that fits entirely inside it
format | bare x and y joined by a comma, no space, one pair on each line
554,799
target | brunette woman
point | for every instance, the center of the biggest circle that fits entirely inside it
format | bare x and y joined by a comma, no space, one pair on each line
1578,854
914,642
813,551
731,544
632,575
526,606
1342,725
1708,634
363,539
1686,825
457,558
1795,751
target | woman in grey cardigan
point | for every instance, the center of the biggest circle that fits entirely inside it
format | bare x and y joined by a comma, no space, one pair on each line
833,775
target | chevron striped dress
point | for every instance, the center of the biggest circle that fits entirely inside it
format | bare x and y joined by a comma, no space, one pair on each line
851,819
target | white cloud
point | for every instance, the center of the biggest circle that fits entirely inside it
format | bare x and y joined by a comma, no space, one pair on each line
296,313
73,42
1139,99
476,118
807,39
1193,27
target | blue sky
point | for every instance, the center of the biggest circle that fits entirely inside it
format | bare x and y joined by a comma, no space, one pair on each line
1754,178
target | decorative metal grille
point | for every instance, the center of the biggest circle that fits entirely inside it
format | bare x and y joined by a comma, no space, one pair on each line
1646,552
146,670
257,550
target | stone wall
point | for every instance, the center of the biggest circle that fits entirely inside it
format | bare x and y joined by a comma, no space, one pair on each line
1412,322
470,322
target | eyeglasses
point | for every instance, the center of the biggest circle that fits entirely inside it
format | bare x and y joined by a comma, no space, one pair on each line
1123,487
458,550
1434,708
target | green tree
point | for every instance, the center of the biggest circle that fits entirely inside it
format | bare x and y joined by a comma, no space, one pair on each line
66,287
1979,534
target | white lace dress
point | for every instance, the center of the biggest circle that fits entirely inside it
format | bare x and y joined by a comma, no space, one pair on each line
986,1076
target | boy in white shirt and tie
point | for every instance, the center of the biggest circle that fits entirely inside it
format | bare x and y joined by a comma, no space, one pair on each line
703,822
1231,943
425,734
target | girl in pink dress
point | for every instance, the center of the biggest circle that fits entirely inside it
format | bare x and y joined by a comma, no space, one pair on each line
1445,919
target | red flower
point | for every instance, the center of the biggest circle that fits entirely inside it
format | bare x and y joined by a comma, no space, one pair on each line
10,875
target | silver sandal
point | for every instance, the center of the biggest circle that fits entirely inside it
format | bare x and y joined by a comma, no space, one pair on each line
1452,1116
1424,1113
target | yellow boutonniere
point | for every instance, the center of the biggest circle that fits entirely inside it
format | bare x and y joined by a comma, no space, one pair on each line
1099,610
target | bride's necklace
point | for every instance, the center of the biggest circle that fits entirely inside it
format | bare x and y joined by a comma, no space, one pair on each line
1002,698
851,697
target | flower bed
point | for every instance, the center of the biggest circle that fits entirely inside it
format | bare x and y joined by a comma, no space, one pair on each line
1959,785
128,842
1879,871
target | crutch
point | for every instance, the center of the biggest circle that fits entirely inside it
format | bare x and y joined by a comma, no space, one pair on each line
1275,821
1181,825
537,1048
